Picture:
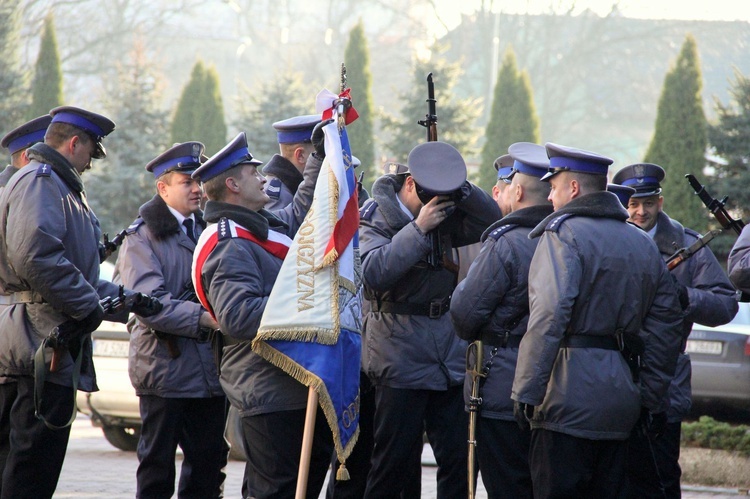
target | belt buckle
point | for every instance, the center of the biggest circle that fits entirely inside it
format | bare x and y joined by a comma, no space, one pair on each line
436,309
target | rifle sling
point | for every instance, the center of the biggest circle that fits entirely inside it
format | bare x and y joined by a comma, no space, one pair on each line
40,374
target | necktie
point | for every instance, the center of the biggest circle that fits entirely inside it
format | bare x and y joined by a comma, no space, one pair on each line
188,223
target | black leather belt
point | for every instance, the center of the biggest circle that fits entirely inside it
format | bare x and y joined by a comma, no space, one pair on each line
434,310
591,341
501,340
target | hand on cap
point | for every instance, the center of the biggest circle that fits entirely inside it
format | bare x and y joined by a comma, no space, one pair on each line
433,213
318,138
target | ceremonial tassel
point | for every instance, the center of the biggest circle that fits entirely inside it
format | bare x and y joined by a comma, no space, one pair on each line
342,473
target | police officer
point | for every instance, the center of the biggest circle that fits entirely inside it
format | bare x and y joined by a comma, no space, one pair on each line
708,298
49,276
235,277
504,167
284,171
18,140
491,305
739,262
171,364
595,283
358,462
410,352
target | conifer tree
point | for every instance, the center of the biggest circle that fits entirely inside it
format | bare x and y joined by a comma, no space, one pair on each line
13,80
456,116
679,141
119,184
513,118
200,112
359,79
278,99
46,88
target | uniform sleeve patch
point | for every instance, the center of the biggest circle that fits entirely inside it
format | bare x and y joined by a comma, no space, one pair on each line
555,223
497,233
273,188
368,209
44,170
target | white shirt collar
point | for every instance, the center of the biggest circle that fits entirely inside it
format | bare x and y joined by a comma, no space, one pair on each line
404,208
180,218
652,232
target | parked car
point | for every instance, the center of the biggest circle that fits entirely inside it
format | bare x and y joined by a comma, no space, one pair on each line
721,361
115,407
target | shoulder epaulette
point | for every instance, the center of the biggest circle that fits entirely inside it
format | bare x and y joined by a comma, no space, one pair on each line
222,230
692,232
555,223
273,188
367,210
44,170
497,233
134,226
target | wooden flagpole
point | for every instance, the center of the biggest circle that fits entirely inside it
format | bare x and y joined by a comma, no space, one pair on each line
307,443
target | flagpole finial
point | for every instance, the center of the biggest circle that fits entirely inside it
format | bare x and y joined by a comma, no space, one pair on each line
342,108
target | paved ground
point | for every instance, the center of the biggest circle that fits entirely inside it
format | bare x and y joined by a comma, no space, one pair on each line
94,469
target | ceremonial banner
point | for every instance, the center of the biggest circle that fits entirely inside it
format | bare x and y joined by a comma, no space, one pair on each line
311,325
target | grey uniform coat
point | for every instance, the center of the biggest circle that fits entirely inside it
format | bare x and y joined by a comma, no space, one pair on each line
155,259
493,301
283,181
412,351
238,277
49,237
739,262
6,174
594,274
713,301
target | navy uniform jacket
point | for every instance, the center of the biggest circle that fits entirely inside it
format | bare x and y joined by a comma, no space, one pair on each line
49,238
713,301
156,258
493,299
283,181
412,351
594,274
238,277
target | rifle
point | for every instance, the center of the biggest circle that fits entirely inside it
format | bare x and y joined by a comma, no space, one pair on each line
119,303
108,247
715,206
436,258
683,254
477,371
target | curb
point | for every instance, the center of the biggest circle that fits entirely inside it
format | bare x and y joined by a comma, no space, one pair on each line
715,490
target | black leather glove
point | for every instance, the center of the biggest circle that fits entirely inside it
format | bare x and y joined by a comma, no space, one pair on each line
146,306
653,424
682,292
523,412
73,329
318,138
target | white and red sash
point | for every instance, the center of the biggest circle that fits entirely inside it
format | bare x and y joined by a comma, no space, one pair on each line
277,245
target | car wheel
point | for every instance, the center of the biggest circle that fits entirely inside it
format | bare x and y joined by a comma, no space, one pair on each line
122,438
233,434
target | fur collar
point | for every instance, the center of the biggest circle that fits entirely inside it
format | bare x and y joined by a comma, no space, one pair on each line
600,204
668,233
385,193
525,217
257,222
43,153
160,220
284,170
